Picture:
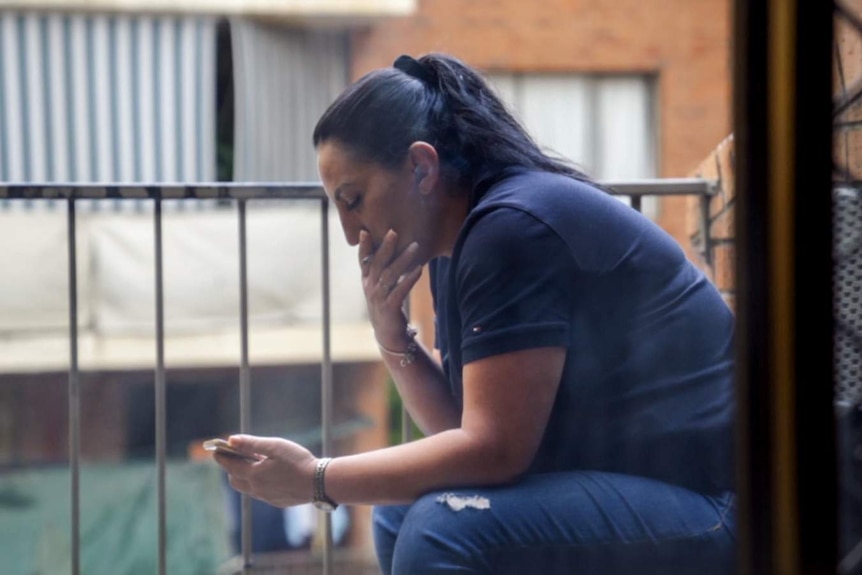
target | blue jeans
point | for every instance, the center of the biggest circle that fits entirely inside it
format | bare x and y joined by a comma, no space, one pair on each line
568,523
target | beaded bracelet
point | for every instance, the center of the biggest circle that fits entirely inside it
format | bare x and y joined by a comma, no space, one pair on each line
408,356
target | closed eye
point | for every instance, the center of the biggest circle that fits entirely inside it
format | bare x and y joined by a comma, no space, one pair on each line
351,205
351,200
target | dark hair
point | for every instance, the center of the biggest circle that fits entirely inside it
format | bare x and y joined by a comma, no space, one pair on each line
442,101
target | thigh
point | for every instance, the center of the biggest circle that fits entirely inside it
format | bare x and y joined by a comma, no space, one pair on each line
575,522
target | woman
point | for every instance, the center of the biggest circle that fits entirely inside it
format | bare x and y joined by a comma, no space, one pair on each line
579,417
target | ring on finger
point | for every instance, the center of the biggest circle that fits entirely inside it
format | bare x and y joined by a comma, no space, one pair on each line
366,260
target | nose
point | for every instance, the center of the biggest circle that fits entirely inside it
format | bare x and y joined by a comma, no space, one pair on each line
351,227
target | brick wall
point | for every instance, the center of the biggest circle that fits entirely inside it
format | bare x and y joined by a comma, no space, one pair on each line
712,238
847,74
715,253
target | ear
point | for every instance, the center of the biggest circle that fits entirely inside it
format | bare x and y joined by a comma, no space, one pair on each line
425,164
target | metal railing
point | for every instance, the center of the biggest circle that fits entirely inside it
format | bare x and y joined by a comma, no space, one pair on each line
240,194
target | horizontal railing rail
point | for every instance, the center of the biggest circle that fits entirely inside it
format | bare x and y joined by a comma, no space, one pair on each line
289,190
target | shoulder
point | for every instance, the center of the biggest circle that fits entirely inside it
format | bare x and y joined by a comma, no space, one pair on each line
533,187
593,227
597,230
560,201
507,228
510,244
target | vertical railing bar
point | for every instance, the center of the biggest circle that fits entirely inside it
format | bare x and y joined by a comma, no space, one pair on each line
704,225
326,375
636,202
406,426
244,382
160,387
406,421
74,394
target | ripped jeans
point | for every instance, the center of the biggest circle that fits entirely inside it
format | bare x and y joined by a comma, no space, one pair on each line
581,522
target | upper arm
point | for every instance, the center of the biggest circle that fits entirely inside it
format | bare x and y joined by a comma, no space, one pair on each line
507,403
515,282
515,286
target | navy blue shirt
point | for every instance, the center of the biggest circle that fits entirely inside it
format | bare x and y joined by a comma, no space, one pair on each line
545,260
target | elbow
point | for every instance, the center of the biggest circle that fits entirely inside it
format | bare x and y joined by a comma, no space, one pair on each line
501,464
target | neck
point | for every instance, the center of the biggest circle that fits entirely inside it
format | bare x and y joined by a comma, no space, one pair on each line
454,210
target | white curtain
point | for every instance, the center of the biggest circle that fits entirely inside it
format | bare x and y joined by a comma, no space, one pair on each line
603,124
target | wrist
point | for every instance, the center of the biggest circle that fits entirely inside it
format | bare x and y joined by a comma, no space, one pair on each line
394,337
319,497
406,351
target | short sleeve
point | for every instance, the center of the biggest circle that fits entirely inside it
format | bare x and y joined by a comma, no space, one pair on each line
514,285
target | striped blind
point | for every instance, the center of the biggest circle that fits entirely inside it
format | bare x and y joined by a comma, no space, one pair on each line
106,98
284,77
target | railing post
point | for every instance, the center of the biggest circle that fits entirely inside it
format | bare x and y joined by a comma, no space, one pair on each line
406,420
326,375
160,391
244,383
705,232
74,394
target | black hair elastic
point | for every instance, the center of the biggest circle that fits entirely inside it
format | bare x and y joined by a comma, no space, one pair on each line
416,69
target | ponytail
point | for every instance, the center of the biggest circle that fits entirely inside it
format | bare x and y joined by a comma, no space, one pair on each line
440,100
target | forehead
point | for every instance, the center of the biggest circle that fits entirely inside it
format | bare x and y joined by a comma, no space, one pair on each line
339,168
334,161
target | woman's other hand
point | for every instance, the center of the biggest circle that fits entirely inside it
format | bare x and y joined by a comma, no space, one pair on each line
284,478
387,278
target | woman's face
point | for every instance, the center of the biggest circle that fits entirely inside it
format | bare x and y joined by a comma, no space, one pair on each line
371,198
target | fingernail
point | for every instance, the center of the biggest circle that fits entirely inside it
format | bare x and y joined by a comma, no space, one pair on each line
413,247
363,235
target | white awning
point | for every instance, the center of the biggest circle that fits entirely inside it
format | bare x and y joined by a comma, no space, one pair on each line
347,12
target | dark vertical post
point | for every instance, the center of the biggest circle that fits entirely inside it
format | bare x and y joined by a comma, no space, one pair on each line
813,354
782,133
74,394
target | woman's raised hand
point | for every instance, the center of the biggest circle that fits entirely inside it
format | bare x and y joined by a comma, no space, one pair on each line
387,278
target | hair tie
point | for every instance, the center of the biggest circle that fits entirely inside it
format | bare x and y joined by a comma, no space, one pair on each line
416,69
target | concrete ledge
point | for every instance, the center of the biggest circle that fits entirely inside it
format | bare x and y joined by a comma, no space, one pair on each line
338,11
270,346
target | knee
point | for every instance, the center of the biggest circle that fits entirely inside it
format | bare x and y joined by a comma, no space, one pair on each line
386,524
432,540
386,520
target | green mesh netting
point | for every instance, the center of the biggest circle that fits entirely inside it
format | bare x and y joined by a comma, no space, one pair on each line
118,520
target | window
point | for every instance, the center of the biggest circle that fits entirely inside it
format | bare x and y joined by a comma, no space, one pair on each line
604,124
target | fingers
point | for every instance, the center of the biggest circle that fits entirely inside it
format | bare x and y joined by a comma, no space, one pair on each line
384,254
372,261
252,444
387,275
399,272
393,274
405,284
240,484
233,465
365,252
